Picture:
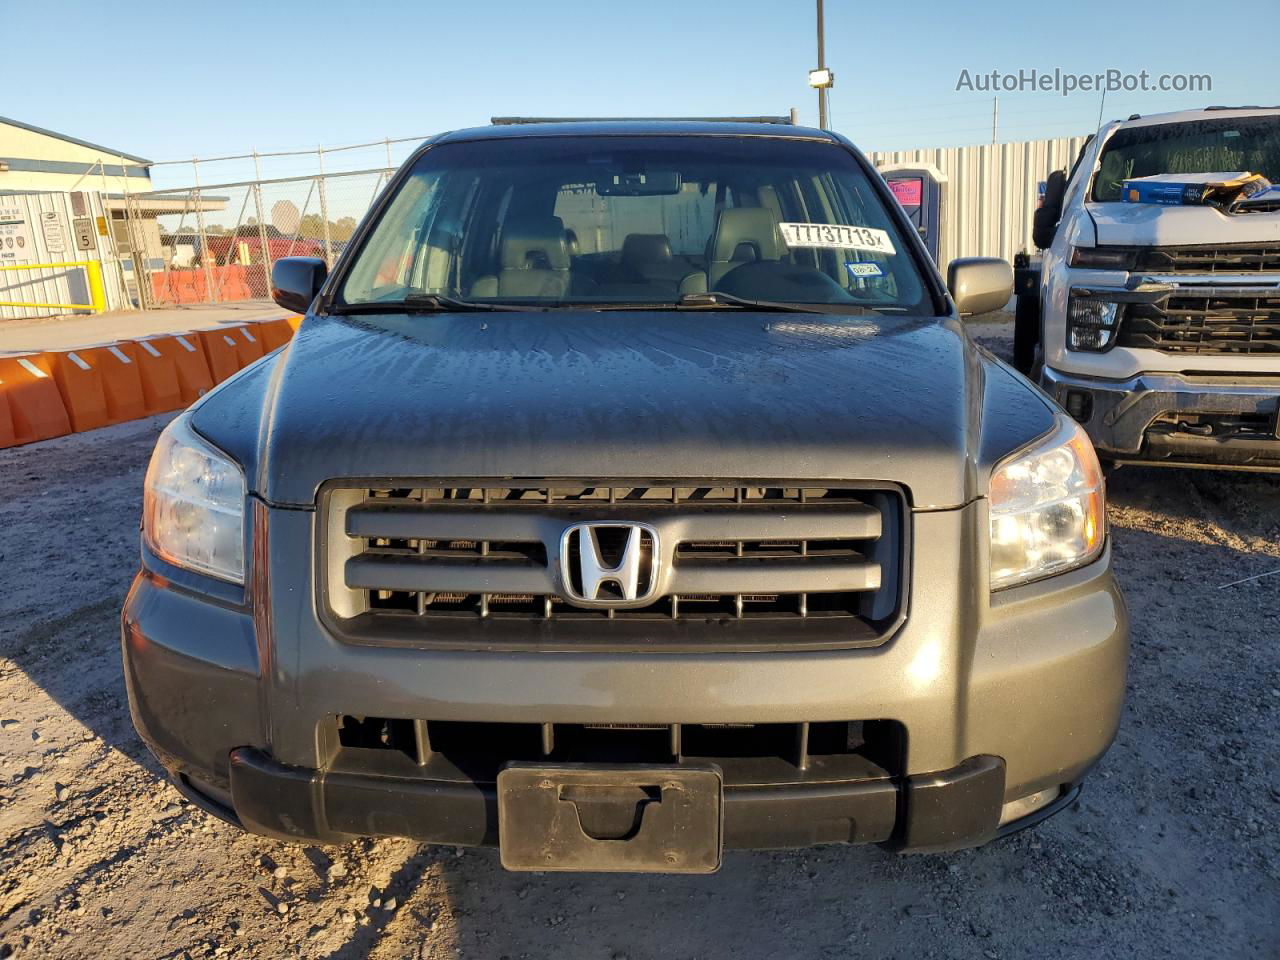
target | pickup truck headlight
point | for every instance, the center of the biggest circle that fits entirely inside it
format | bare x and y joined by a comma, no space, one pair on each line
1048,508
193,505
1104,258
1091,324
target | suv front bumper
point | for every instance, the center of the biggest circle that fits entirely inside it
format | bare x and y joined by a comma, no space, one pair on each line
945,810
1007,700
1119,416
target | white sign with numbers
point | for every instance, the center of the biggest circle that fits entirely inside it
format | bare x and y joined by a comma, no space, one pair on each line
836,236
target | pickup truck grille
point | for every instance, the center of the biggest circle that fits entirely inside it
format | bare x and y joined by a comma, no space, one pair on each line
1205,323
740,565
1232,258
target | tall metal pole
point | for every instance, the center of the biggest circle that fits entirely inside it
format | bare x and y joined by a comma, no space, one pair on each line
264,245
210,291
822,63
324,210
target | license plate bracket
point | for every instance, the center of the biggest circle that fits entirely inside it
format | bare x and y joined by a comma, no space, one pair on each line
618,819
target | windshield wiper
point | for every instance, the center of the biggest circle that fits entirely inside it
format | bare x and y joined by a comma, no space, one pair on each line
714,299
426,303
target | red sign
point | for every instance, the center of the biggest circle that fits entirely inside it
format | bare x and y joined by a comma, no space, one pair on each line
908,192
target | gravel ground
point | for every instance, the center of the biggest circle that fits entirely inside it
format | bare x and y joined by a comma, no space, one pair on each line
1173,849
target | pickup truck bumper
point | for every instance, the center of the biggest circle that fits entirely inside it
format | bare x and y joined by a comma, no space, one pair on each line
1230,422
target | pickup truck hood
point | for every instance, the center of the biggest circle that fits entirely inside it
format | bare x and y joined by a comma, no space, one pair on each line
627,395
1153,225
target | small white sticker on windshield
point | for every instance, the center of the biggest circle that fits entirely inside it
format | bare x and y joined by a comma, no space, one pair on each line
836,236
864,270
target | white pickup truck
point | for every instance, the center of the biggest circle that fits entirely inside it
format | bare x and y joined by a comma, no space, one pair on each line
1158,327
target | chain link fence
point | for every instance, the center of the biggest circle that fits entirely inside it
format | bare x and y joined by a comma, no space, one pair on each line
217,243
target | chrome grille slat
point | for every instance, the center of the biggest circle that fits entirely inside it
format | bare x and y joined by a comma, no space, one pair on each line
777,576
414,520
431,575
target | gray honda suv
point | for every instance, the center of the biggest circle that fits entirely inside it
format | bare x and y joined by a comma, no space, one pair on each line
631,491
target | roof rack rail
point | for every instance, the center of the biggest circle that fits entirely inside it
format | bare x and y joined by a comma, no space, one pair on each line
512,121
1247,106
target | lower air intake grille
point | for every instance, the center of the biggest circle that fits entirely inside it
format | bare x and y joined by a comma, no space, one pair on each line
719,565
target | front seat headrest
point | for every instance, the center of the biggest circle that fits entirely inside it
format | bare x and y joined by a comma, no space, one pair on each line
643,249
746,233
535,243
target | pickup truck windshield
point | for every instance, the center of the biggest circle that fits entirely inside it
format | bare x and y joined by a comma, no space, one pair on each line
608,221
1203,146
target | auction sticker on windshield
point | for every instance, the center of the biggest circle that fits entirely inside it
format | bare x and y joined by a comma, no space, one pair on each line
836,236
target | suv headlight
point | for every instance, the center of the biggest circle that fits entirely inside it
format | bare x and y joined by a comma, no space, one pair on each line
193,505
1048,508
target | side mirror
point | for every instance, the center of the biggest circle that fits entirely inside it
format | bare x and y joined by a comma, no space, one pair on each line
295,281
1044,221
979,284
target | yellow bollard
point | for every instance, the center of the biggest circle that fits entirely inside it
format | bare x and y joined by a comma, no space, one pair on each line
97,293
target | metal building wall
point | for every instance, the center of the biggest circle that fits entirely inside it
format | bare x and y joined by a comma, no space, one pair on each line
58,284
991,191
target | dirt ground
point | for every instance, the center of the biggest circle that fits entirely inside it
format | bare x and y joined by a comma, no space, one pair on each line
1173,849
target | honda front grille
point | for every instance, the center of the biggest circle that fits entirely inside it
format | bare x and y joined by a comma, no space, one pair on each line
707,567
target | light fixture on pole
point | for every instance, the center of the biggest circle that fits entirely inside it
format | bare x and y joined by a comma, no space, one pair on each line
821,79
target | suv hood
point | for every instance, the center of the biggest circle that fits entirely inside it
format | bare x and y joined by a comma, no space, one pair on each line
1153,225
625,395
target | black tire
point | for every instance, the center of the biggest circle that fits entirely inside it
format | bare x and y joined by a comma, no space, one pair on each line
1026,331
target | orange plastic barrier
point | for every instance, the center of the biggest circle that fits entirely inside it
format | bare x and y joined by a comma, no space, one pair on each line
162,289
248,346
122,380
80,383
183,285
158,369
294,321
220,350
194,377
99,385
8,436
36,410
233,284
273,333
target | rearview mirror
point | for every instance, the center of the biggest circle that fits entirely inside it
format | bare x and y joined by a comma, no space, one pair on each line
295,281
653,183
979,284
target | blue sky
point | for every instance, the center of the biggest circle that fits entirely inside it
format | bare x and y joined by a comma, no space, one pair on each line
225,77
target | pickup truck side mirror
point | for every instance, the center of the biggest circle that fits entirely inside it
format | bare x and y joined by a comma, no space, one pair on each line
295,281
1044,222
979,284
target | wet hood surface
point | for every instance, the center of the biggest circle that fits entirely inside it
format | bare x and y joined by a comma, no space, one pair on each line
625,395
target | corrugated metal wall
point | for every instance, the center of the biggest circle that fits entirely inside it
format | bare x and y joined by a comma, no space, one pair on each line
991,191
57,284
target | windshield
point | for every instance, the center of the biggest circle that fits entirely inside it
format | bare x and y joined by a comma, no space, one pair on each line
1228,145
611,221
